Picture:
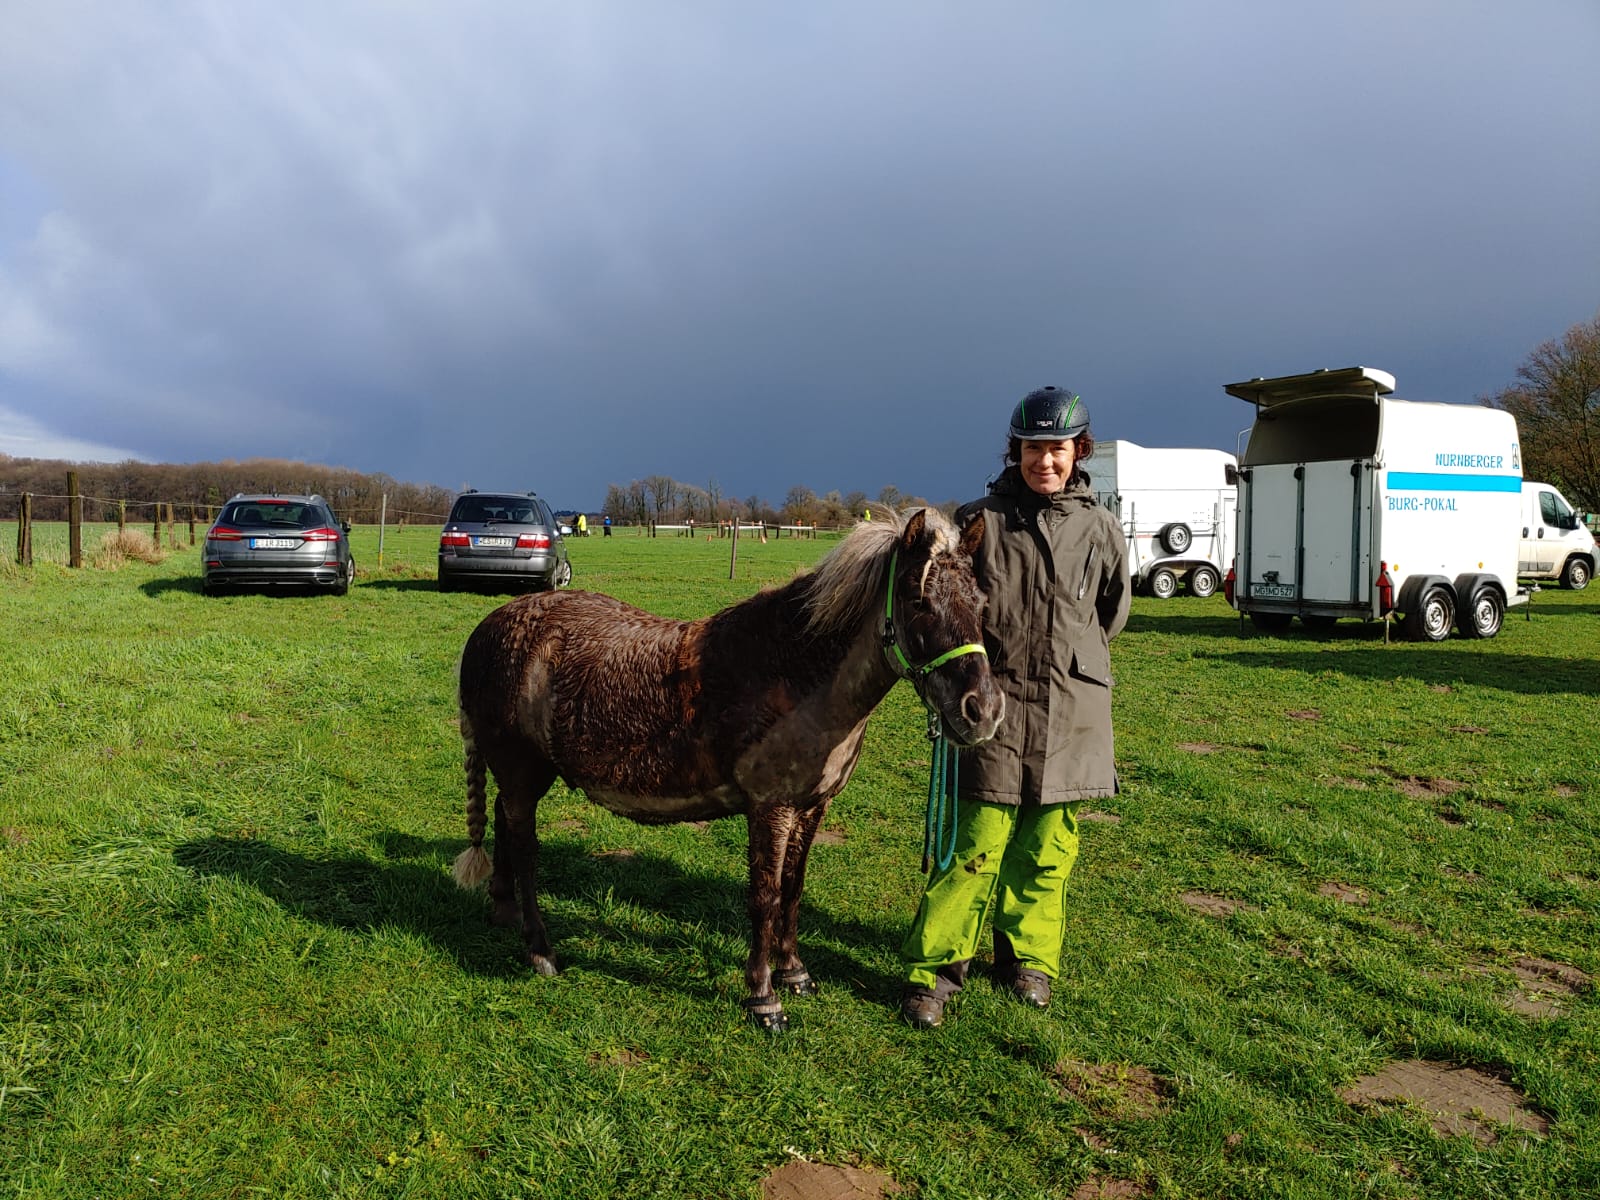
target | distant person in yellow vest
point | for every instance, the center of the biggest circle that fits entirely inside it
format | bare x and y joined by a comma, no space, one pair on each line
583,525
866,514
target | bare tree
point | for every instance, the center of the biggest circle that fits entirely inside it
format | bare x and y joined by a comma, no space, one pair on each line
663,493
800,505
1556,401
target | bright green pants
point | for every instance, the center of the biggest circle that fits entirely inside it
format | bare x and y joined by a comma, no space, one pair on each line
1018,856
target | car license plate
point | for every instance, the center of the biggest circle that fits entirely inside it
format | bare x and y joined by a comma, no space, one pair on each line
494,541
274,543
1273,591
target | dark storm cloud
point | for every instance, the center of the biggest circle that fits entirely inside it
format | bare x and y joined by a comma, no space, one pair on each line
563,246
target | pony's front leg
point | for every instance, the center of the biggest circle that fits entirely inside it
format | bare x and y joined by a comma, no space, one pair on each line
788,971
769,829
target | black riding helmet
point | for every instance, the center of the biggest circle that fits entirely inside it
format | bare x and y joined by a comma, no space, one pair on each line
1049,414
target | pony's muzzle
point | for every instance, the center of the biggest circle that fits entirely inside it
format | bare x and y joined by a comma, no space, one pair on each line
982,710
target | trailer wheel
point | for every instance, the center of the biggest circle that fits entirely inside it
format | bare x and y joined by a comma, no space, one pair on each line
1575,575
1432,617
1318,622
1176,537
1486,612
1271,622
1202,582
1163,583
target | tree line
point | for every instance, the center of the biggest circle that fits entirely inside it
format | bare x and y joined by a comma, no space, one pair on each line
664,500
356,496
1556,401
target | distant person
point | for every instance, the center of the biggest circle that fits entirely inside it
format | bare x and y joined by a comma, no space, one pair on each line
583,525
1054,567
605,524
866,514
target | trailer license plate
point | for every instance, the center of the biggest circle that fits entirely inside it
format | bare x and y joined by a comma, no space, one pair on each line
1273,591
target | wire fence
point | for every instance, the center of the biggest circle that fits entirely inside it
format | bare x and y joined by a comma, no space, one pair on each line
171,523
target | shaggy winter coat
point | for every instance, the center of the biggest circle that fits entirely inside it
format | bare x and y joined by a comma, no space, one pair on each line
1055,571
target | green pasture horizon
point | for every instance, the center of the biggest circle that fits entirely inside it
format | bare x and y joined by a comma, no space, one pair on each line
234,962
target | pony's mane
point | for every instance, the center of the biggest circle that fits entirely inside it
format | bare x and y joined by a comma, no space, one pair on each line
851,582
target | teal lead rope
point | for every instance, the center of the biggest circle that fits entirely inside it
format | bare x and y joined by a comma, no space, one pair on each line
945,772
938,845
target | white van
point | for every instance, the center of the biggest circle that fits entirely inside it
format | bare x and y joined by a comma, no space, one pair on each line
1555,543
1176,507
1353,503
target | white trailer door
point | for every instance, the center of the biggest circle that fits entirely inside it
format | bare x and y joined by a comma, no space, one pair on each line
1305,533
1269,532
1335,532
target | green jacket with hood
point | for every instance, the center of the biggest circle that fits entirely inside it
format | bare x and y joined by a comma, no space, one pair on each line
1055,571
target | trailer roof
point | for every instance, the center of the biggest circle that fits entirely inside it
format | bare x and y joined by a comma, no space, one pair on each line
1343,382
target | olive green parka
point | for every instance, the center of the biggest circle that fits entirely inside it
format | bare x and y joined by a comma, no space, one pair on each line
1055,571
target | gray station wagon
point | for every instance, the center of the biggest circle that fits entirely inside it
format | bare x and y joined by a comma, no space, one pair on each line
502,539
277,541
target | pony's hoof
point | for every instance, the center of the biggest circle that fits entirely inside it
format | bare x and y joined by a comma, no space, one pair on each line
766,1014
796,982
542,964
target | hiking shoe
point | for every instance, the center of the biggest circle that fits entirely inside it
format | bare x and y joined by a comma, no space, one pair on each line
921,1008
1031,987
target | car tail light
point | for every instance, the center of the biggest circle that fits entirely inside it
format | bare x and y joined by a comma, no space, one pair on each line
1385,587
1230,582
533,541
454,539
324,534
224,533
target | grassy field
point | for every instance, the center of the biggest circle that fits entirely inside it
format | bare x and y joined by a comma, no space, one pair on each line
232,961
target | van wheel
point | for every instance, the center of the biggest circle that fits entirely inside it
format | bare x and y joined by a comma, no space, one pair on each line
1202,582
1271,622
1484,615
1163,584
1432,617
1176,537
1575,574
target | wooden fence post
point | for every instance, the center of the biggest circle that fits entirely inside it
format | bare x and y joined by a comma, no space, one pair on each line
172,533
191,524
74,522
155,525
25,531
383,519
122,516
733,550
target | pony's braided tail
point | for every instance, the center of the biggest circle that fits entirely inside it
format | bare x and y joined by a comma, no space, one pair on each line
473,865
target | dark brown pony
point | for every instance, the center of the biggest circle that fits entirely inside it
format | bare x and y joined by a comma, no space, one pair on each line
758,709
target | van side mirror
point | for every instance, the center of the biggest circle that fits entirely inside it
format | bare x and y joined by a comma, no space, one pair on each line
1231,474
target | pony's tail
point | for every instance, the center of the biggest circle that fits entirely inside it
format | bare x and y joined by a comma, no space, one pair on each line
473,865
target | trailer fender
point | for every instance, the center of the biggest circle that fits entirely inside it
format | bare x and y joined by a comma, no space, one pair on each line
1411,592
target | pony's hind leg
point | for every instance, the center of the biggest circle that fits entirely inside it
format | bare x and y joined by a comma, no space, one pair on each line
514,884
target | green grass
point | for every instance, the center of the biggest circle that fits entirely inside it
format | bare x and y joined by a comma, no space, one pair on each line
232,961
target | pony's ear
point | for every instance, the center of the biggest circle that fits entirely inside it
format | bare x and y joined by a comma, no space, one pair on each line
972,536
915,527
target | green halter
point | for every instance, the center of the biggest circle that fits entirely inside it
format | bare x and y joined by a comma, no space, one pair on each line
891,642
938,843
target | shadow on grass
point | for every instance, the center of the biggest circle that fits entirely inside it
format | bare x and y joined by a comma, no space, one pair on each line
399,585
1433,664
362,895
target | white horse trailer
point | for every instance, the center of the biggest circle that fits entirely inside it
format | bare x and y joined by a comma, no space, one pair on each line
1176,507
1353,503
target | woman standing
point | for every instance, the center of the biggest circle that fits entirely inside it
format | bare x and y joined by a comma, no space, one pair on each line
1053,565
